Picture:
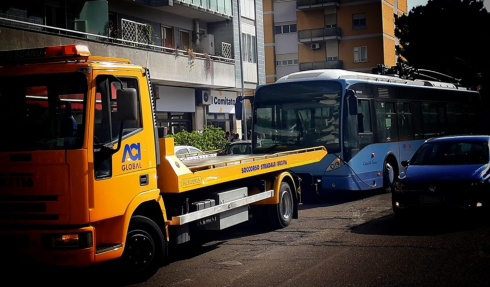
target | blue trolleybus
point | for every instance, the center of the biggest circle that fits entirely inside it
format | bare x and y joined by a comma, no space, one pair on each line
369,123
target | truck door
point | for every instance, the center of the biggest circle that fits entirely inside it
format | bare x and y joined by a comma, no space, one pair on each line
118,177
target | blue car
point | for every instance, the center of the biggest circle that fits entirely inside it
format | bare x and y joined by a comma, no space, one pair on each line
446,172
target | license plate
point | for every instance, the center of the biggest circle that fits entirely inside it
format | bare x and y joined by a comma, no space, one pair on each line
430,199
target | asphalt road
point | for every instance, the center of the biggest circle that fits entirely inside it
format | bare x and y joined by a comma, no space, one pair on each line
343,242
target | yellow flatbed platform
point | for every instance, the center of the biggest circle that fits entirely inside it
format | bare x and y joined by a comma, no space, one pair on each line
181,176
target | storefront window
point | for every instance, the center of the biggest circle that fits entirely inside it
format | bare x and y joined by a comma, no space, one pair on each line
223,121
174,122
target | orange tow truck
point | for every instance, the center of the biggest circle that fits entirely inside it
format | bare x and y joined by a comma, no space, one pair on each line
85,176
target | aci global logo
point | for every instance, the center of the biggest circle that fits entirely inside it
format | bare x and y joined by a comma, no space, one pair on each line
131,154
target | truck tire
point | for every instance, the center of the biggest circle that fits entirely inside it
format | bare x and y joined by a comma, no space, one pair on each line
282,213
145,248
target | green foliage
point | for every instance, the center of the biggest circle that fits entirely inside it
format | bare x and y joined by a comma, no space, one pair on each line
211,138
447,36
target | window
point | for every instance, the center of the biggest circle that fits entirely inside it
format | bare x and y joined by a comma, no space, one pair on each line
107,124
249,48
167,37
405,125
42,111
332,59
387,124
364,117
360,54
284,29
430,120
359,21
287,62
185,40
330,20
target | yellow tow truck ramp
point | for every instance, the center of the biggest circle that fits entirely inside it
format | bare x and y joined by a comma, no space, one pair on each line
231,182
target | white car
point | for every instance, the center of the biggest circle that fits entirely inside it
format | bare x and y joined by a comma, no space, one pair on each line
187,152
182,149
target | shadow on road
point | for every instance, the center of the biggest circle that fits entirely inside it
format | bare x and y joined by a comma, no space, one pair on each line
108,274
337,197
423,224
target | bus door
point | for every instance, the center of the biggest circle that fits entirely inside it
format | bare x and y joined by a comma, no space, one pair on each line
358,129
364,123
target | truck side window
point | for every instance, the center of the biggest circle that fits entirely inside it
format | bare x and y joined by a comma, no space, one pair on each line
106,123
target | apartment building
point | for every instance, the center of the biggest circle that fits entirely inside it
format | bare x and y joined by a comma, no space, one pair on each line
201,54
329,34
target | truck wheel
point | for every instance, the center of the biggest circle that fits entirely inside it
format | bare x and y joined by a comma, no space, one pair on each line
145,248
283,212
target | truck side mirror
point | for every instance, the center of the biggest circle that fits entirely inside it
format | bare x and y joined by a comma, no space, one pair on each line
127,104
352,100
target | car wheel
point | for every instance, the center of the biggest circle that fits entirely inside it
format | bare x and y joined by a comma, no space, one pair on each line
144,250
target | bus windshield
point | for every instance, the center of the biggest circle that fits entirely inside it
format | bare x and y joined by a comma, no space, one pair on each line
289,116
42,112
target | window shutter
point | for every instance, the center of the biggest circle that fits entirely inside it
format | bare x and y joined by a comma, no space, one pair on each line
356,54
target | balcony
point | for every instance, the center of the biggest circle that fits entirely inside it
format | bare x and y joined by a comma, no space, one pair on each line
168,65
321,65
319,35
315,4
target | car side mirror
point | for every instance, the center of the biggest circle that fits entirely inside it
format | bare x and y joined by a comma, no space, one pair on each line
404,163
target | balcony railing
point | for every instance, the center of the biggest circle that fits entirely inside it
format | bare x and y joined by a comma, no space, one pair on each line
7,22
135,32
314,4
321,65
319,34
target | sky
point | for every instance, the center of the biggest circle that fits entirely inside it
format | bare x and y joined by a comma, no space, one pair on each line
413,3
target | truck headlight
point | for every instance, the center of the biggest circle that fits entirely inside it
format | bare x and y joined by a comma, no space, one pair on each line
67,240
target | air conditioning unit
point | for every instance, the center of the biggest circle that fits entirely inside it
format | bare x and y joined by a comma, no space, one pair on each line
207,44
203,98
315,46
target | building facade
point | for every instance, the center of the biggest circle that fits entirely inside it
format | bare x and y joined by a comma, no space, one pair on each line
329,34
201,54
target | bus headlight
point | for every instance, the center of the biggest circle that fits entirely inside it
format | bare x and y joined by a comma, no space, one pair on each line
335,164
67,240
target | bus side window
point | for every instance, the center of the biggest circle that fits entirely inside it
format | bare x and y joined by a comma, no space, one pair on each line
405,126
417,120
387,123
364,117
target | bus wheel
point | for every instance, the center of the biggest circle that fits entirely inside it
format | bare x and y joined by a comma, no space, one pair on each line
389,175
284,210
144,250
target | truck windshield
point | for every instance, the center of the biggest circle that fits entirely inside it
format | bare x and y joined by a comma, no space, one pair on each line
42,112
297,115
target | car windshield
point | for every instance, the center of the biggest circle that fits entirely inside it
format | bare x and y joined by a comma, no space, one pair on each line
42,112
451,153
